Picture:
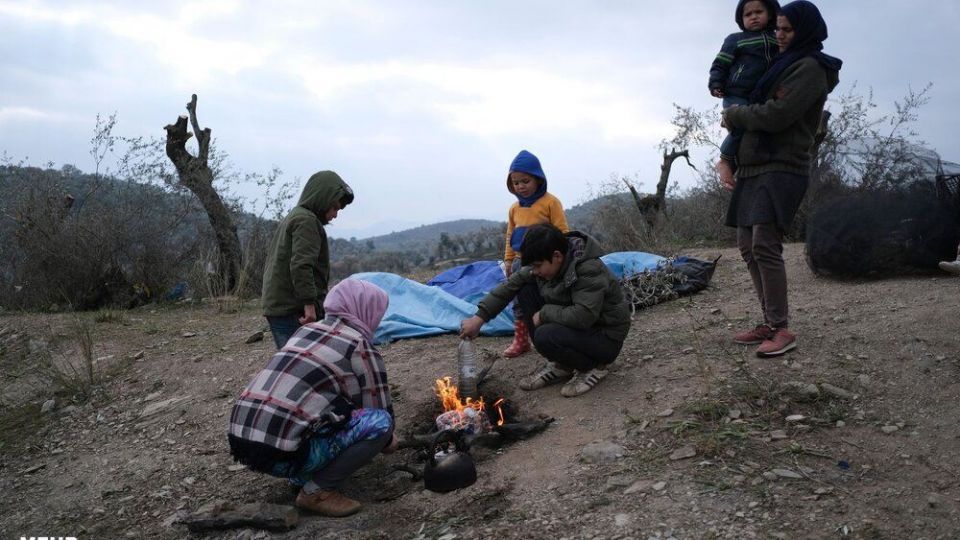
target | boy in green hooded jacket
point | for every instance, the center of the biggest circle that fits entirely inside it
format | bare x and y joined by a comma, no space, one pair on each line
297,271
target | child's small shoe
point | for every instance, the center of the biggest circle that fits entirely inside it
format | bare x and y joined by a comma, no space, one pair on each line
952,267
521,341
582,382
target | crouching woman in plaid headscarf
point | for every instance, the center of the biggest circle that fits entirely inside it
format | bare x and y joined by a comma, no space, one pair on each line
321,408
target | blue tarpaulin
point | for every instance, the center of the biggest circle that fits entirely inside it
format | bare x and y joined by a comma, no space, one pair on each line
470,281
418,310
627,263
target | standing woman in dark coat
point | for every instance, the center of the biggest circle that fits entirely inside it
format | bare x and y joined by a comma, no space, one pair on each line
774,162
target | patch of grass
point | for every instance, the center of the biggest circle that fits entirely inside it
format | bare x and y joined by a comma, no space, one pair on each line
708,410
110,316
74,373
151,329
678,427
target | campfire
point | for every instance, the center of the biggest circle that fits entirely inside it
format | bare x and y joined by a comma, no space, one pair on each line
467,414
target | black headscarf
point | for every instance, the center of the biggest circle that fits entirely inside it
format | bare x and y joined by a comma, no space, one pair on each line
810,30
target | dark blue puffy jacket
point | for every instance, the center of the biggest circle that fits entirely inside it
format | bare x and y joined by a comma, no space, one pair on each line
742,60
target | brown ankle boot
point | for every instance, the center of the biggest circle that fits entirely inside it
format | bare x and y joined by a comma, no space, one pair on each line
521,341
327,503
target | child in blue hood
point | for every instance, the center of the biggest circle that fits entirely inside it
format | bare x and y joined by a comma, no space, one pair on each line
534,206
742,61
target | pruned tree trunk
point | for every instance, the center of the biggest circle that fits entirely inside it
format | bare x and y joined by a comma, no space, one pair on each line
651,206
195,174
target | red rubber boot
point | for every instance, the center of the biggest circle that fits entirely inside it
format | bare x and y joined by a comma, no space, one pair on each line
521,341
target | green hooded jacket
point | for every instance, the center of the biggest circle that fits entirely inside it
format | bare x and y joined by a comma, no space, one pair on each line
583,295
780,132
297,270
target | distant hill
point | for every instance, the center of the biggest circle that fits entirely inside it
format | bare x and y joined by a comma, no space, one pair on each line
414,239
581,217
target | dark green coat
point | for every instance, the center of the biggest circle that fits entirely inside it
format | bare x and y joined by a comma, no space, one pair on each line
583,295
297,270
779,133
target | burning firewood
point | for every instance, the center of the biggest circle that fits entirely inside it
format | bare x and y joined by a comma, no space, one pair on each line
522,430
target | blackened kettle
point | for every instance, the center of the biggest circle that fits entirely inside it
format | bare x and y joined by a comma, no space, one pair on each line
450,465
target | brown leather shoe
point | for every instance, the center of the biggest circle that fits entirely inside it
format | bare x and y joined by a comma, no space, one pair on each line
327,503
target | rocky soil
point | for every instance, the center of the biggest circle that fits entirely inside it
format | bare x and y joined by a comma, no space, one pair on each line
853,435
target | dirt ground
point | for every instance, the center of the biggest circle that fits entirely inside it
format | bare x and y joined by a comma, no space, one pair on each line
852,435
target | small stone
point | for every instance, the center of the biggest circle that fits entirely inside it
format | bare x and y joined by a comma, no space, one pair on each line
889,429
618,482
48,406
153,396
787,473
841,423
196,359
835,391
139,355
733,414
664,413
934,500
254,337
602,451
770,476
778,435
688,350
237,467
796,418
807,391
621,520
190,480
715,311
683,453
640,486
659,486
34,468
188,334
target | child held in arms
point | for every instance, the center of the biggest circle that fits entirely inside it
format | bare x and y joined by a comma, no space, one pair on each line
534,205
580,317
743,58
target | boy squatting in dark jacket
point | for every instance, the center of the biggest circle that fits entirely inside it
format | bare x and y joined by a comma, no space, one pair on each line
743,58
581,317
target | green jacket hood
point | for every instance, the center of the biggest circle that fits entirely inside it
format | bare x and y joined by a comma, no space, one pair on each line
323,189
581,248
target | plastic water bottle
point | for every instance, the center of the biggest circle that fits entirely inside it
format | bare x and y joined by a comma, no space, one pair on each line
467,368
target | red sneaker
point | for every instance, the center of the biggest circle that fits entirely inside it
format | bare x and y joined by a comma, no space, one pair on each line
781,342
756,336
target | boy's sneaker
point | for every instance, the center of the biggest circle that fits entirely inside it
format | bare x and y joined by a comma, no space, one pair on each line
756,336
781,342
582,382
951,266
550,373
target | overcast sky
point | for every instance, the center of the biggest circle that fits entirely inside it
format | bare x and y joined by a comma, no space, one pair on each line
421,105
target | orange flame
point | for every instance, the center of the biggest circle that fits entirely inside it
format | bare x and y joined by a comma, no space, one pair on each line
499,411
450,397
